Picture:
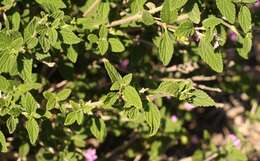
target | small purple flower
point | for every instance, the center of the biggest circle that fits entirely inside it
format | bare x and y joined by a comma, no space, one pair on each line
174,118
188,106
257,4
124,64
195,139
232,36
235,140
90,154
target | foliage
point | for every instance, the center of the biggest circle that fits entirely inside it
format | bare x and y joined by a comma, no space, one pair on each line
76,70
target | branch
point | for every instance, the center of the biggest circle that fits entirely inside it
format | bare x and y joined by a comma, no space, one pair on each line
91,7
139,16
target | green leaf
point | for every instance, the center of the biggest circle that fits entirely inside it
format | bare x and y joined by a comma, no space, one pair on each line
127,79
152,117
147,18
166,48
168,13
45,43
132,97
211,22
26,72
185,29
32,128
228,9
116,45
112,72
29,103
3,147
16,19
69,37
194,13
72,54
24,150
98,128
11,124
179,3
5,85
64,94
51,5
137,6
207,54
80,117
244,19
246,45
71,118
103,46
200,98
52,35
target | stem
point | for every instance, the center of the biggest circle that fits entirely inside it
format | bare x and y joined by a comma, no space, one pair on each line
139,16
91,8
233,28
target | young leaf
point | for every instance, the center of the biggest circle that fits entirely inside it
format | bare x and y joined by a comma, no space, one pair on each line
152,117
5,85
71,118
228,9
16,19
246,46
132,97
26,72
3,147
29,103
200,98
103,46
98,128
11,124
168,13
194,14
72,54
69,37
64,94
147,18
32,128
116,45
244,19
166,48
112,72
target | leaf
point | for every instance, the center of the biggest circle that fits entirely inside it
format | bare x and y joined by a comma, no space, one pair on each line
5,85
80,117
72,54
71,118
11,124
211,22
152,117
116,45
147,18
3,147
32,128
64,94
26,72
185,29
228,9
45,43
112,72
244,19
137,6
132,97
69,37
52,35
24,150
127,79
246,46
194,13
29,103
51,5
103,46
166,48
200,98
206,52
16,19
179,3
168,13
98,128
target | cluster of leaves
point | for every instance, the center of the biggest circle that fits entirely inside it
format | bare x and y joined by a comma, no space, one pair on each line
43,42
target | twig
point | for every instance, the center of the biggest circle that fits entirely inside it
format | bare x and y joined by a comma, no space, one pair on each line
204,78
58,85
138,157
207,88
139,16
212,157
91,8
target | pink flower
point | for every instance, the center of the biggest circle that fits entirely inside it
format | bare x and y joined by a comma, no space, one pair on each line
188,106
174,118
235,140
195,139
257,4
90,154
232,36
124,64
